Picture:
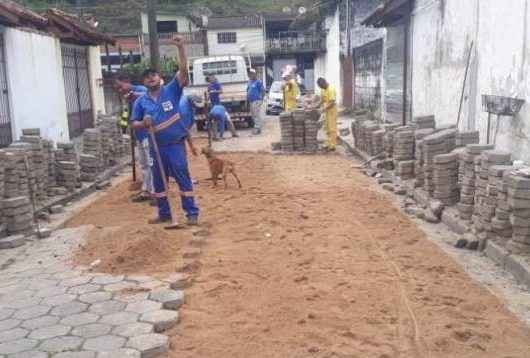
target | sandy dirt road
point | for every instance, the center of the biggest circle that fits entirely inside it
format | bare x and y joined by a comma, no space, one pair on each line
307,261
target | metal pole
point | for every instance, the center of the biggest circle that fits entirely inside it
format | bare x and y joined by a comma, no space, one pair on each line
489,129
153,35
464,85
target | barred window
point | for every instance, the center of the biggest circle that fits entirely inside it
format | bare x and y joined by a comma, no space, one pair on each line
226,38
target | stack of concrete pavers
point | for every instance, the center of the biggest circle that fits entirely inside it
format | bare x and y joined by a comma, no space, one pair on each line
378,141
441,142
91,161
445,178
367,130
107,126
311,131
298,130
501,226
388,139
67,168
467,137
286,128
38,163
49,153
405,169
467,182
3,227
519,201
18,215
485,194
424,122
16,175
404,144
419,134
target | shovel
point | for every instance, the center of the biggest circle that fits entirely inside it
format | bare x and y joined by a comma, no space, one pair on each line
174,225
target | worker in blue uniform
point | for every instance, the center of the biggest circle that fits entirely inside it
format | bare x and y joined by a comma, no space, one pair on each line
220,119
159,110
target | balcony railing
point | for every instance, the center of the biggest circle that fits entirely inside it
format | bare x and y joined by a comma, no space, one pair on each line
197,37
295,41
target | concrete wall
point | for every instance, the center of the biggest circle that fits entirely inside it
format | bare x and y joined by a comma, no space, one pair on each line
252,38
183,23
442,34
36,87
96,80
328,64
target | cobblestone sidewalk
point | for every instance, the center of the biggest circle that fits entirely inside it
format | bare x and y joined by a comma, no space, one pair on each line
50,309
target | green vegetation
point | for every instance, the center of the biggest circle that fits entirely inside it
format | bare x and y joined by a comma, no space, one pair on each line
123,16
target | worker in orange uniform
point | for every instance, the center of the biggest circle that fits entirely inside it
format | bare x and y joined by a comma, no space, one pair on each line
328,106
290,92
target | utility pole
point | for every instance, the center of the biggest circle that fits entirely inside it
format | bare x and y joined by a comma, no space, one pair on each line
154,50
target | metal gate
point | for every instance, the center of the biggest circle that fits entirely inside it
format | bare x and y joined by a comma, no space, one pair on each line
5,115
77,88
368,60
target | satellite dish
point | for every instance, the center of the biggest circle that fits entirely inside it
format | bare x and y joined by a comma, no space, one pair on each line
302,10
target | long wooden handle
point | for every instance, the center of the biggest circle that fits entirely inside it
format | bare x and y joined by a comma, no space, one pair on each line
159,160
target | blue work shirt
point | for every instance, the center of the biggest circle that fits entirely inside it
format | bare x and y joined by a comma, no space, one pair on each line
255,90
218,112
166,108
214,97
186,112
135,93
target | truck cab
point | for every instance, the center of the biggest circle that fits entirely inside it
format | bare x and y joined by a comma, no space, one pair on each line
231,72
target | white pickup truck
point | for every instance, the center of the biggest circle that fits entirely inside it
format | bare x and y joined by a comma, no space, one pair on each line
231,72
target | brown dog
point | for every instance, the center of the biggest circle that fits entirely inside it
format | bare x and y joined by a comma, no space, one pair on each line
219,166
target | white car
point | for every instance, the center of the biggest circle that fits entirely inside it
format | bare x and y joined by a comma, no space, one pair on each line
275,98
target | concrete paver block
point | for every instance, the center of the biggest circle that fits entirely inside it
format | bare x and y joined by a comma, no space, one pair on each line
104,343
32,312
117,319
40,322
30,354
69,309
135,297
162,320
51,291
58,300
84,354
9,324
80,319
95,297
107,307
13,334
519,268
12,242
170,299
107,279
133,329
92,330
150,345
75,281
61,344
50,332
120,353
82,289
17,346
496,252
6,313
120,286
143,306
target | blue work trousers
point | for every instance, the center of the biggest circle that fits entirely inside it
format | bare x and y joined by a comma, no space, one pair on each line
175,162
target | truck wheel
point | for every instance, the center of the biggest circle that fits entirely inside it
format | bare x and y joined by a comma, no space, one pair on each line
250,122
200,126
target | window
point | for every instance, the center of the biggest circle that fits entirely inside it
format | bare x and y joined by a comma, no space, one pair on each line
219,68
166,26
226,38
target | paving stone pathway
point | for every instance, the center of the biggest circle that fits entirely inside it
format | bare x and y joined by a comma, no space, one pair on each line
50,309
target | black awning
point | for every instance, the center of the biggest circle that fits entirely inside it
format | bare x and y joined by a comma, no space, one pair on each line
389,13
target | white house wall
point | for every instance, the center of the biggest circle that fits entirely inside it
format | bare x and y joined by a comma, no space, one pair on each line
183,23
442,35
35,81
328,64
96,80
252,38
